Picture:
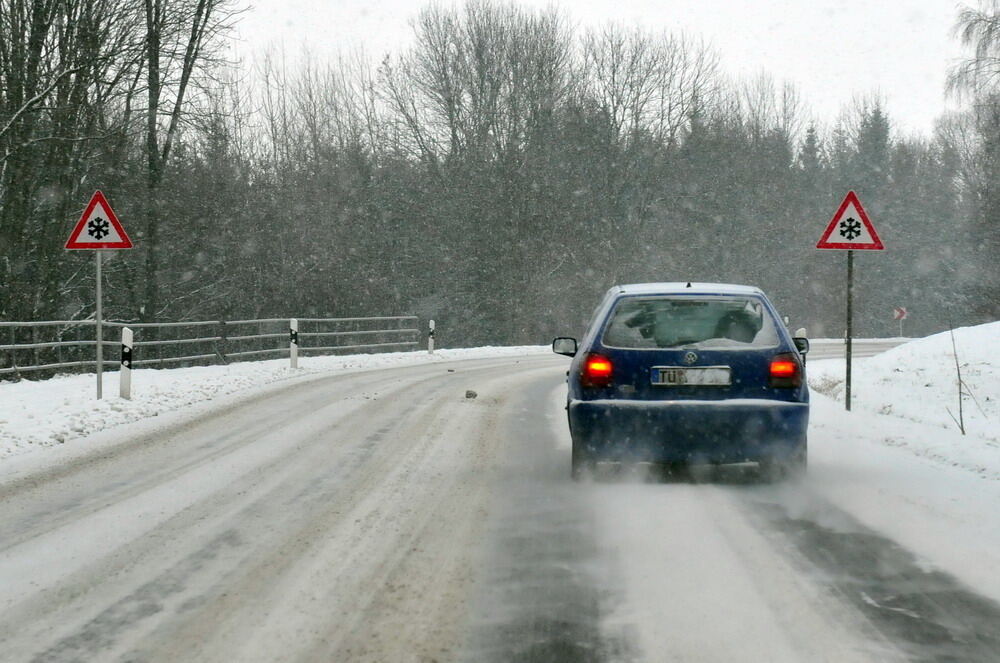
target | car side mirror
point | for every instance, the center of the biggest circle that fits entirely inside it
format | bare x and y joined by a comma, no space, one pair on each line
564,345
801,344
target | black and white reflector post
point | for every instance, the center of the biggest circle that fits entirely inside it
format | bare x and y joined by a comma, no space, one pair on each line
125,372
430,338
293,342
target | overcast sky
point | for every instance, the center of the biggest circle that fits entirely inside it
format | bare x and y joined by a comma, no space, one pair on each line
831,49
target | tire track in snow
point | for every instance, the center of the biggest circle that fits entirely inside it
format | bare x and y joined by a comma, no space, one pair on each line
548,586
227,569
925,612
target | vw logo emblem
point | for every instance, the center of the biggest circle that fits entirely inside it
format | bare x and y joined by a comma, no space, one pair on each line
690,358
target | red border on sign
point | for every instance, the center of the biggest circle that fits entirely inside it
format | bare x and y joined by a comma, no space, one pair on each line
74,242
824,241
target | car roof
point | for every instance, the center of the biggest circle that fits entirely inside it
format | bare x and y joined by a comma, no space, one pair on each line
685,288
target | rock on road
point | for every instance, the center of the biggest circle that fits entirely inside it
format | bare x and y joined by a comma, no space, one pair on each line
384,516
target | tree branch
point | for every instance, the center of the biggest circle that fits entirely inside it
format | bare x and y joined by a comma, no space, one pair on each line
34,101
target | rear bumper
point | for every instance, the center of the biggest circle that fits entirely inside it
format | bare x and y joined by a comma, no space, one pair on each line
727,431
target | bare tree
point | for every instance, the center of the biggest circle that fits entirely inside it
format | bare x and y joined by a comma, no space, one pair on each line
958,133
978,29
67,75
479,80
648,83
770,108
623,72
181,41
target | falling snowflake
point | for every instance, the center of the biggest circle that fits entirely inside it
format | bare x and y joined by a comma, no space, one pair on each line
850,228
98,228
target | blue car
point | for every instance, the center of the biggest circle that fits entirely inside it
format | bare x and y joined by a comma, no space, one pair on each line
687,373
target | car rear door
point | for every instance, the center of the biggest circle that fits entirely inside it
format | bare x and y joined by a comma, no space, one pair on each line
707,368
689,373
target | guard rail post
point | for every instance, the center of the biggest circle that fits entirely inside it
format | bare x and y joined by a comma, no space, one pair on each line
220,348
293,342
13,354
125,371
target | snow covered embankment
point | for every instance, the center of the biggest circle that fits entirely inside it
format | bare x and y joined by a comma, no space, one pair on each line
44,413
898,463
908,397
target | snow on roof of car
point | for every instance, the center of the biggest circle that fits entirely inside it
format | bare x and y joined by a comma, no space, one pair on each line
686,288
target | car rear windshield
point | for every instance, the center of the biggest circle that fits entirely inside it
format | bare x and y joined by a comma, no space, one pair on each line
668,322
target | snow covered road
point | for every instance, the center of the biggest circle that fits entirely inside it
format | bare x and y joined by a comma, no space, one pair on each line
383,516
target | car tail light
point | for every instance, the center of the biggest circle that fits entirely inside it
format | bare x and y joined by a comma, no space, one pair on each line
597,371
785,371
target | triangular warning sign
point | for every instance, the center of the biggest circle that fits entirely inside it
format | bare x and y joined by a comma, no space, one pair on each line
98,228
850,228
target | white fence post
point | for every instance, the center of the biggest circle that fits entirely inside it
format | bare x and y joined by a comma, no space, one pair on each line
125,371
430,339
293,342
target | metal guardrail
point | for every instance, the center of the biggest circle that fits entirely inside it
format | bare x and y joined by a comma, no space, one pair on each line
55,345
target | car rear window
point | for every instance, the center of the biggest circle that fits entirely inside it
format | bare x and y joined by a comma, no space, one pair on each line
668,322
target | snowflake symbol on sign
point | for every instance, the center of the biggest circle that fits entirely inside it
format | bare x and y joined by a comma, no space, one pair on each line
850,228
98,228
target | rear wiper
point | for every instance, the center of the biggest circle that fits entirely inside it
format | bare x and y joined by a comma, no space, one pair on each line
686,341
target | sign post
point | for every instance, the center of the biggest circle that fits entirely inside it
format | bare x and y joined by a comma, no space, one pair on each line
899,313
98,229
849,341
850,230
99,319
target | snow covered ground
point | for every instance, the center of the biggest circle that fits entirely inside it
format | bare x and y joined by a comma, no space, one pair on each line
915,388
46,413
911,391
898,462
403,477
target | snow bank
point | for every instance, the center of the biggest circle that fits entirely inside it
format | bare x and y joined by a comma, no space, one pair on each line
36,414
930,490
907,397
908,389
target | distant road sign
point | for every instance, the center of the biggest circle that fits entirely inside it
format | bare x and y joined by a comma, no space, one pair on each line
850,228
98,228
899,313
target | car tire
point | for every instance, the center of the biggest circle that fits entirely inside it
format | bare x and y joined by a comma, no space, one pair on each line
771,470
795,466
798,465
677,469
581,463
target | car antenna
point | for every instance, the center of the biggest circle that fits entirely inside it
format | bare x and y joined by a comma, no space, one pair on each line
689,284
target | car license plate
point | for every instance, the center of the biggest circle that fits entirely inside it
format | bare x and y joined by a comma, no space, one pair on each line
699,376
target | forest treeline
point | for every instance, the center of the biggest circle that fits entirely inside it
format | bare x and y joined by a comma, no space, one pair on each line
497,174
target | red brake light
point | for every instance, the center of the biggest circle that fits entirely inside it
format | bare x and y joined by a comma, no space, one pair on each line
783,368
785,371
597,371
